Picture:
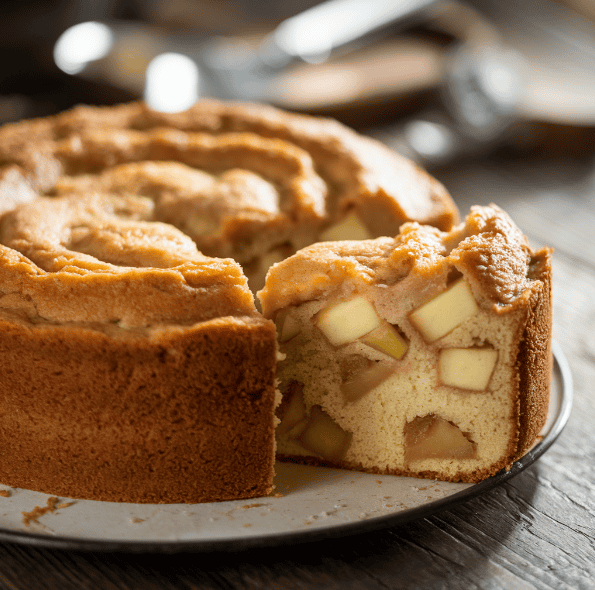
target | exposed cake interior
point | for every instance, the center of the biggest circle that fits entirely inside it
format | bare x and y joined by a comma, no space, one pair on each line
428,354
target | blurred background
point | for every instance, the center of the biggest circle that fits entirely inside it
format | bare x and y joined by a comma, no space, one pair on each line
439,80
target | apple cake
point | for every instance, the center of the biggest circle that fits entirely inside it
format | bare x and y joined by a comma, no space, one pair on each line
135,365
427,355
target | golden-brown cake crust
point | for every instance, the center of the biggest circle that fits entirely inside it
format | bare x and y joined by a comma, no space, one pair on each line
175,415
314,168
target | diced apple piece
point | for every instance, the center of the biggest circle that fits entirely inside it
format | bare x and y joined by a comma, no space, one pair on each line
295,410
386,339
445,312
346,321
467,368
271,258
432,437
258,268
349,228
287,326
360,383
324,437
352,364
297,430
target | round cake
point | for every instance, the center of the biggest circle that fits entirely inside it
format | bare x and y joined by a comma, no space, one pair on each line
135,365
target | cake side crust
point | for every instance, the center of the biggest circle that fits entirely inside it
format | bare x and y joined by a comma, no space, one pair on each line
183,415
535,361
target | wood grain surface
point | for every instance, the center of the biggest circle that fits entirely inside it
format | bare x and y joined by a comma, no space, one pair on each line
535,531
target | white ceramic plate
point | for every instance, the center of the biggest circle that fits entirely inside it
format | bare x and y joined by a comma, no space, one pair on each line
309,503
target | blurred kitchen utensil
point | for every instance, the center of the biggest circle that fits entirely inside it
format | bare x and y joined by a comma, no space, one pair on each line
123,53
482,90
535,86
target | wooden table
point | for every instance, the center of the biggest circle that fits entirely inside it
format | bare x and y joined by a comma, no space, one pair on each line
535,531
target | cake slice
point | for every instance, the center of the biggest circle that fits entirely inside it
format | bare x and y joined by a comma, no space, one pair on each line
427,355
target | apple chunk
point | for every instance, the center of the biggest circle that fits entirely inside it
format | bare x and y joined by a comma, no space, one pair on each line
467,368
362,382
258,269
349,228
287,326
346,321
445,312
433,437
386,339
271,258
294,412
324,437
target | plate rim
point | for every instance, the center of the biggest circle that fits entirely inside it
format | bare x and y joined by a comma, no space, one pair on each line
336,531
